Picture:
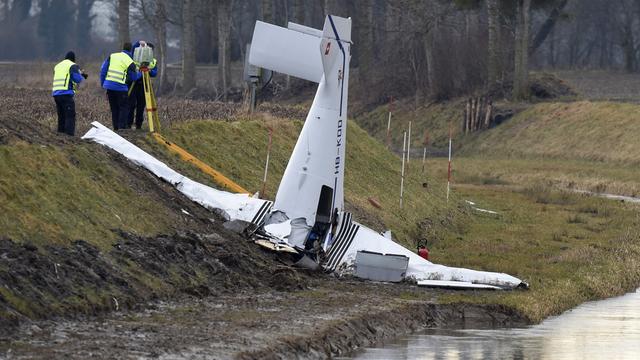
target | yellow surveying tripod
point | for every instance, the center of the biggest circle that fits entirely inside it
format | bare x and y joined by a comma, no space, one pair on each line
143,55
150,100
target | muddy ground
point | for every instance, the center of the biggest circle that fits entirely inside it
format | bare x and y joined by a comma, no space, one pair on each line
329,318
30,114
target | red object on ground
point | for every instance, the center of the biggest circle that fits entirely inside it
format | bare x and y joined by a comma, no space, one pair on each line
424,253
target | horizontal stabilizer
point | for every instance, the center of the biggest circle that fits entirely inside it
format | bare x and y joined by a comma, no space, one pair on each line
304,29
286,51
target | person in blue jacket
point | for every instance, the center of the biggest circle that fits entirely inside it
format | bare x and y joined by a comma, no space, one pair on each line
137,100
117,73
66,77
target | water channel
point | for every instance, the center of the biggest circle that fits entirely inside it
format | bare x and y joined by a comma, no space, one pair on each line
607,329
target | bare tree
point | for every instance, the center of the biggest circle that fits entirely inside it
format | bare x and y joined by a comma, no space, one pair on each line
123,21
224,46
521,69
83,24
299,14
160,29
214,34
493,48
330,7
267,13
154,13
365,46
547,26
188,46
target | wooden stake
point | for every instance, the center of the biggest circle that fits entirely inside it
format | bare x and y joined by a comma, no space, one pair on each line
489,115
449,170
266,166
389,132
476,115
469,116
389,123
424,153
409,145
404,148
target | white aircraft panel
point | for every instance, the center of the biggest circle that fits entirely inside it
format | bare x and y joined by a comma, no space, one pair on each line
286,51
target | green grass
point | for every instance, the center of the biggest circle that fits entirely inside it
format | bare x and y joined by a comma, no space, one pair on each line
50,194
539,172
434,118
238,150
570,247
593,131
566,256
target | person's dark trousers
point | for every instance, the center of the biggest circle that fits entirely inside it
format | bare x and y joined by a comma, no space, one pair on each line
136,105
66,107
119,103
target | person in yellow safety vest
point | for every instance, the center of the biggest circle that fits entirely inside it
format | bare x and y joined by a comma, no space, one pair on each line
66,77
118,71
137,101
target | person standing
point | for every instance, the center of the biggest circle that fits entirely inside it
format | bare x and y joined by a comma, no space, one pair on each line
137,101
66,77
118,71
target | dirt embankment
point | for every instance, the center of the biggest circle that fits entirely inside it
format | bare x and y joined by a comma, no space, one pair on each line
40,283
369,329
30,114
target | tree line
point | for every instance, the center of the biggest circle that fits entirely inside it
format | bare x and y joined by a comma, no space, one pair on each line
426,49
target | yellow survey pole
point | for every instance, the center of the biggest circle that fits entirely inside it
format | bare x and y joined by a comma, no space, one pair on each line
150,100
154,127
218,178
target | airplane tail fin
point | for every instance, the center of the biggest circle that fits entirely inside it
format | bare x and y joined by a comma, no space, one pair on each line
298,50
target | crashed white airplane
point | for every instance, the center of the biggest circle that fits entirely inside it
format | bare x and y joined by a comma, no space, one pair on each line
308,217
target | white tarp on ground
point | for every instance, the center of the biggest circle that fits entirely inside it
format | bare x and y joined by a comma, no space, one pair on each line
233,206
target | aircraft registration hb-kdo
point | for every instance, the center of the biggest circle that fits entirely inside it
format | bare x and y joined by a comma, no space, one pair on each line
307,221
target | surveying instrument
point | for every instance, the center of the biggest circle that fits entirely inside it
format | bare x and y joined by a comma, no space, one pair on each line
143,55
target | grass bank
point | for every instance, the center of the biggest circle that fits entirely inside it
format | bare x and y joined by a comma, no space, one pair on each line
571,248
558,174
592,131
53,194
434,118
238,149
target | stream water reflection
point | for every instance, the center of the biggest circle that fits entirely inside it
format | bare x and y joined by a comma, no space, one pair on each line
607,329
